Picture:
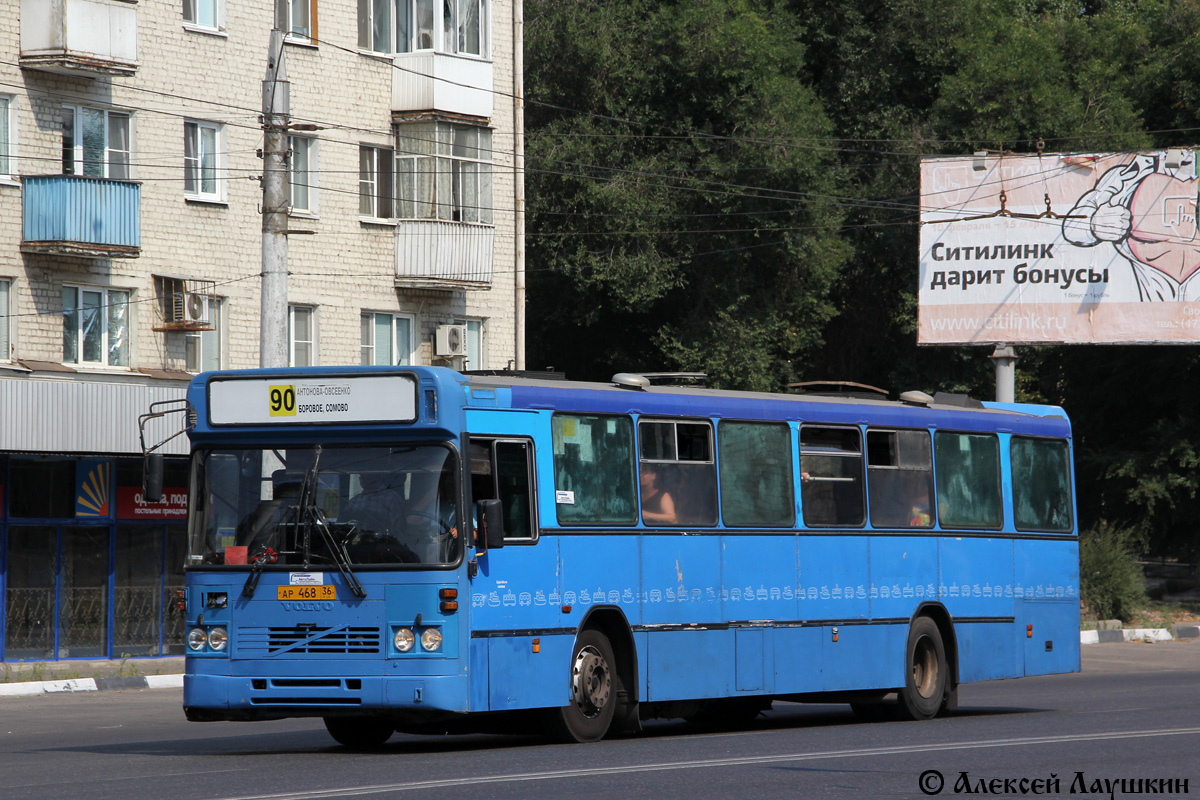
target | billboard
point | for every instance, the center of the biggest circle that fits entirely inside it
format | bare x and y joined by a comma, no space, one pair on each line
1060,248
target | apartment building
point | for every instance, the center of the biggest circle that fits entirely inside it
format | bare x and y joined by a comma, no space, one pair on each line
131,144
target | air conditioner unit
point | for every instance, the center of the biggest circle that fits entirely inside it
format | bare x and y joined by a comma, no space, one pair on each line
191,308
451,341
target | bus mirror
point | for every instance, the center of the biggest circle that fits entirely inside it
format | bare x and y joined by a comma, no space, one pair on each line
152,478
489,533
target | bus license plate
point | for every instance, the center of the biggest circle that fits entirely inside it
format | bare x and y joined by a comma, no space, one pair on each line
325,592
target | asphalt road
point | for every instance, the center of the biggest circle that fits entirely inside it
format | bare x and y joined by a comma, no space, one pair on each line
1133,714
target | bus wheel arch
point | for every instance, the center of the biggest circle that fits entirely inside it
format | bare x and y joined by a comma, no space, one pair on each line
930,664
603,683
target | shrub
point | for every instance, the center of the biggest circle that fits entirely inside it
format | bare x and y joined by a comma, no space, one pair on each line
1110,578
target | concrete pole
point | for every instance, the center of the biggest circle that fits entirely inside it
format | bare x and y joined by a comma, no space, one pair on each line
276,106
1005,359
519,174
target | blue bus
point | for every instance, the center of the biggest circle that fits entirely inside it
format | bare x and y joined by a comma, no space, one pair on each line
416,549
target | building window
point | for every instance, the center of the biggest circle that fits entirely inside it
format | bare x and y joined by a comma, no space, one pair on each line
386,339
95,326
7,139
403,26
375,190
204,13
203,347
297,18
475,358
301,336
202,160
95,143
444,171
5,318
302,173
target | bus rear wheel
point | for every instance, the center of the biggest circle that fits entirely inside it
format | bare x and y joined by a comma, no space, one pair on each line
924,695
360,733
595,687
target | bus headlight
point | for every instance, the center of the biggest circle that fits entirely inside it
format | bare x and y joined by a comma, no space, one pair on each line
218,638
196,639
431,639
404,640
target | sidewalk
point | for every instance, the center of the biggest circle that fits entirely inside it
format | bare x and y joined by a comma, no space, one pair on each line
1148,635
20,678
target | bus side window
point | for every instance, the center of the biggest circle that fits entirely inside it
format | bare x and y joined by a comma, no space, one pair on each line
502,469
831,476
900,479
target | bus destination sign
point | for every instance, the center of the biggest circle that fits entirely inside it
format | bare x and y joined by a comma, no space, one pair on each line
298,401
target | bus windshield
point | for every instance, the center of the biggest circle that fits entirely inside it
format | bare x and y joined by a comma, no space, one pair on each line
325,504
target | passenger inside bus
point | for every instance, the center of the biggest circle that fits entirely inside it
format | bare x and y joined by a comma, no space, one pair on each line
379,512
658,507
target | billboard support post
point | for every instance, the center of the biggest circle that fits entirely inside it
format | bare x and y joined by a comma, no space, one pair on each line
1005,358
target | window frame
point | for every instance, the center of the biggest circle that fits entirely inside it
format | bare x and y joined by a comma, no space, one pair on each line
8,140
79,160
675,460
213,337
105,319
218,16
372,178
1070,484
633,496
293,341
6,319
475,354
862,469
373,327
931,510
492,443
193,166
937,481
452,172
312,154
789,483
285,11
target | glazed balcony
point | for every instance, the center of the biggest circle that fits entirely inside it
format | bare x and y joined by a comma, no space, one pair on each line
78,216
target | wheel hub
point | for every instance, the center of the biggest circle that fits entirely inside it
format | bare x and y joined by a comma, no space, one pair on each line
591,682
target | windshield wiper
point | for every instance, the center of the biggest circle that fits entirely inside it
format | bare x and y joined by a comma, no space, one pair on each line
308,516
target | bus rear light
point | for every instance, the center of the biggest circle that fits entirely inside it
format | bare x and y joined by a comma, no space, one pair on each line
1028,631
537,645
448,594
449,606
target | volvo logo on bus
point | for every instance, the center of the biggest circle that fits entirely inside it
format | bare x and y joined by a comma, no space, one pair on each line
307,606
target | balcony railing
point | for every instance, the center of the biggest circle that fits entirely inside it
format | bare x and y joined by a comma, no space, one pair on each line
74,215
432,254
79,36
429,81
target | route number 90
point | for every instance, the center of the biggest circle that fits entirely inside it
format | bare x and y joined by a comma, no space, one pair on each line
283,401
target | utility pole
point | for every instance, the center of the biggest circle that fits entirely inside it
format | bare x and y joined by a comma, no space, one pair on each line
1005,359
276,108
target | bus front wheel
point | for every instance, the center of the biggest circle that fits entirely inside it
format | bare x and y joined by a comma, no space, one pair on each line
924,694
595,688
360,733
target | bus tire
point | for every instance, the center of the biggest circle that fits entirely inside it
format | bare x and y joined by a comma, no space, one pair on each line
595,688
926,672
360,733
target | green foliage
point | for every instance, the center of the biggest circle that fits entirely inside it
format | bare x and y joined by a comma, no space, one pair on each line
1110,578
732,186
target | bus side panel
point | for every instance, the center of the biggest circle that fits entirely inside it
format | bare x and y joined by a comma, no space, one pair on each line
762,569
517,589
897,567
798,666
521,675
681,576
686,665
1047,573
986,651
976,577
831,571
862,657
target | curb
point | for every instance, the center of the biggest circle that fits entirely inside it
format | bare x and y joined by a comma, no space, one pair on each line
91,685
1146,635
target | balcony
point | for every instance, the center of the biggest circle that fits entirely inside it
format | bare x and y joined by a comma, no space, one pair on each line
429,81
78,216
74,37
443,255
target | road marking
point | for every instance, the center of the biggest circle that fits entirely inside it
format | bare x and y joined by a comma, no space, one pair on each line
446,783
